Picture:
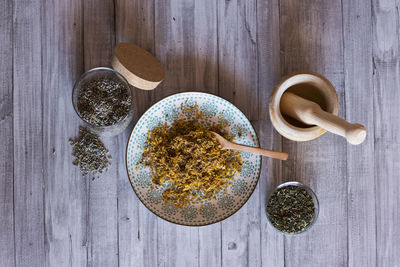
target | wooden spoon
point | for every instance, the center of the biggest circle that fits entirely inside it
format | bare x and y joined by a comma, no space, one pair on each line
256,150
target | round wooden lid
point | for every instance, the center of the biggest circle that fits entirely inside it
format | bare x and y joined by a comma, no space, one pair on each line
139,67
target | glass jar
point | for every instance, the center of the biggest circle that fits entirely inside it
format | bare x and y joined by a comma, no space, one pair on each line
97,73
312,194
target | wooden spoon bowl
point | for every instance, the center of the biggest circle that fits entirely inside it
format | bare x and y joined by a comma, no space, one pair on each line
225,144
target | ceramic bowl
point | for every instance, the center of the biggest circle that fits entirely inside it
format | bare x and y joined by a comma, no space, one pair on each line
214,109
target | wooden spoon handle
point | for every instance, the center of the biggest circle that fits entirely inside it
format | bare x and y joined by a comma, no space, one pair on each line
258,151
311,113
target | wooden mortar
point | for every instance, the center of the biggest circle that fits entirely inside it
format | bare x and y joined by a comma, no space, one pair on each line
304,105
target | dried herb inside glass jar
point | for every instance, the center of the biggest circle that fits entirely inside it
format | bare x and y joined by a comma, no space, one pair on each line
104,101
291,209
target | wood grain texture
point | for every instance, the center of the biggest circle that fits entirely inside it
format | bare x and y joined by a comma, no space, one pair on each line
206,79
135,24
65,189
186,44
210,245
311,40
6,133
357,23
238,83
237,57
99,40
268,48
52,216
28,134
386,58
174,47
137,239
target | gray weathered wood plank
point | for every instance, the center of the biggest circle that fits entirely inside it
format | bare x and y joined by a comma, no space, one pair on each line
238,83
65,189
238,49
210,245
241,235
206,80
357,26
177,245
311,39
6,133
386,55
99,40
28,134
137,225
237,54
186,44
268,47
135,24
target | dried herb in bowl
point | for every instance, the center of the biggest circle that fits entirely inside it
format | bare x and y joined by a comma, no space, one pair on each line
291,209
104,101
90,153
187,157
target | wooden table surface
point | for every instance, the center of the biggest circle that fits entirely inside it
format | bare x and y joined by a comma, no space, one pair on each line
238,49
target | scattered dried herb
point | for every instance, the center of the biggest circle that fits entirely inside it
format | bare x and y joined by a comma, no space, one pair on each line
90,153
188,158
104,102
291,209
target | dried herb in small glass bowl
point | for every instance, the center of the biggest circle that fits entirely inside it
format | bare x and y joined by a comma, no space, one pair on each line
104,102
292,208
90,153
103,99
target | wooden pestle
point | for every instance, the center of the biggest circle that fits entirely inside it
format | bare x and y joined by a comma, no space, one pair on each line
311,113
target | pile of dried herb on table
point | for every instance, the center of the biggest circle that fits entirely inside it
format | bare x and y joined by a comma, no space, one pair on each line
104,102
291,209
90,153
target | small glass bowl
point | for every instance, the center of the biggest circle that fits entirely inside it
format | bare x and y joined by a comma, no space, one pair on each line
315,200
96,73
